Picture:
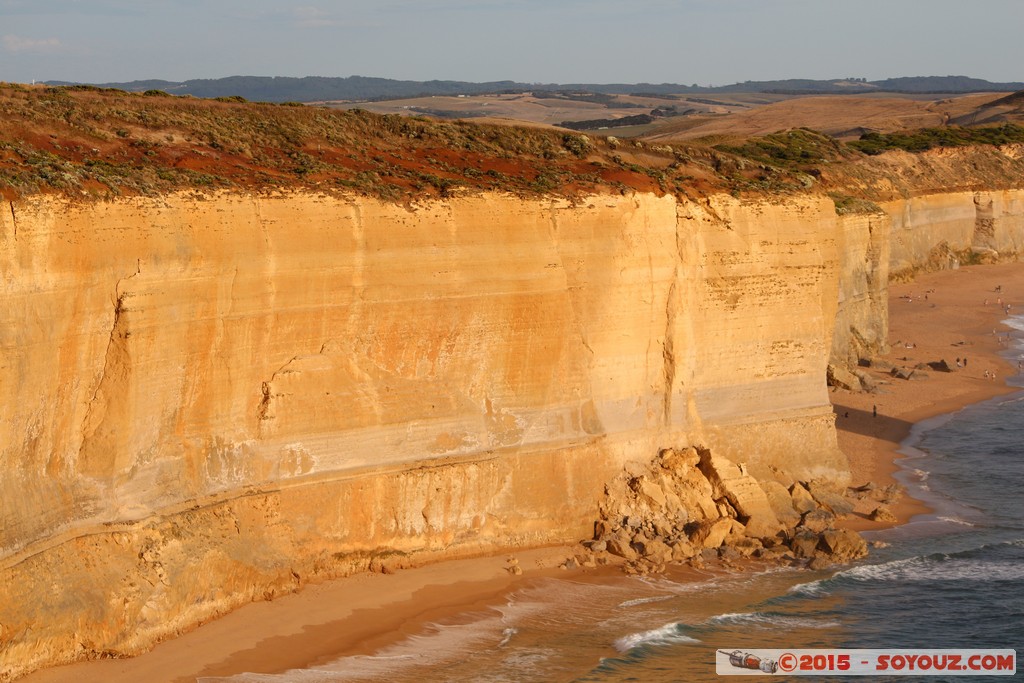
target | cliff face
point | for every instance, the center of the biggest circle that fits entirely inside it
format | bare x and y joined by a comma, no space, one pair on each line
941,230
212,399
921,233
862,317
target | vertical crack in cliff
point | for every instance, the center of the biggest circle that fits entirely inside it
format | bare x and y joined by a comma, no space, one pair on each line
359,267
669,351
572,289
265,410
98,452
14,219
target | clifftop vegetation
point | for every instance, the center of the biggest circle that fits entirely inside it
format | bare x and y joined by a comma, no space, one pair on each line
100,141
95,142
930,138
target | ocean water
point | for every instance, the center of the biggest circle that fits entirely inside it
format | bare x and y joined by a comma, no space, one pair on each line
952,579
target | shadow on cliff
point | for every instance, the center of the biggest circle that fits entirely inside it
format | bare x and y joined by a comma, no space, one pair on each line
860,421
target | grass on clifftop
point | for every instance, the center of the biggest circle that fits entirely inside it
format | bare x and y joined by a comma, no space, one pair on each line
101,141
92,142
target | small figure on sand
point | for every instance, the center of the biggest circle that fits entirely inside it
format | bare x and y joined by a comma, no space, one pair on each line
874,411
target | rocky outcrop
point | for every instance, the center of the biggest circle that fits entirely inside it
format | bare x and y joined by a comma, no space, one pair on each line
689,504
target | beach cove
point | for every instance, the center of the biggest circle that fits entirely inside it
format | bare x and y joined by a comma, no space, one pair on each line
944,316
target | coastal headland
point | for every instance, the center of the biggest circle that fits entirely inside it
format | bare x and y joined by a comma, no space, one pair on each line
237,370
361,613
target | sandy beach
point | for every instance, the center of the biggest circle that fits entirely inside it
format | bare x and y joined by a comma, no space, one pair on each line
943,316
940,317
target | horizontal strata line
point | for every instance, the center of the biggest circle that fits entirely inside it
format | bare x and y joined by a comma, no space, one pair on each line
35,548
213,500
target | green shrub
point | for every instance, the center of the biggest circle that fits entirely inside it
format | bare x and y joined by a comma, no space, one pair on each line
929,138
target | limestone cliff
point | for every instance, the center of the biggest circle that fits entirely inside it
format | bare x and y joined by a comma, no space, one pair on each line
931,231
210,399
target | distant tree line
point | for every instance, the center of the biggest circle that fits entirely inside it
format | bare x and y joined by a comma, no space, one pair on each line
363,88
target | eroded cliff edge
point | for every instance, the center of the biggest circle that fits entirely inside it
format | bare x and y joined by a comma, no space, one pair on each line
208,399
214,398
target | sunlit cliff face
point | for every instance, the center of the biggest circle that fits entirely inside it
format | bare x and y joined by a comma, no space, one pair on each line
213,399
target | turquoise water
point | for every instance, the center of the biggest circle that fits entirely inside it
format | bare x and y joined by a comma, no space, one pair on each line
952,579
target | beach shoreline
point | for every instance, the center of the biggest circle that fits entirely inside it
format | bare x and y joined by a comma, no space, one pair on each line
952,316
939,316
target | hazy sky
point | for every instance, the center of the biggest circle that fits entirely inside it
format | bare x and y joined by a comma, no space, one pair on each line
710,42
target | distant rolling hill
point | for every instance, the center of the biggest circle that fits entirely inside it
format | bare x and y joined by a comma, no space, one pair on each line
319,89
847,116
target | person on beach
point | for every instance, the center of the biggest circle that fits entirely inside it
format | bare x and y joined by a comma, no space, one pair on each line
874,411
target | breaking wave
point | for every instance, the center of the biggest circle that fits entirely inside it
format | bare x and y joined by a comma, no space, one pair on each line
770,620
669,634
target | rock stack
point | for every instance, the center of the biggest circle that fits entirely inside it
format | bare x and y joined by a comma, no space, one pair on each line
691,505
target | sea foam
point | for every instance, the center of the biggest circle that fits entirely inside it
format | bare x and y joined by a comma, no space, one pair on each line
666,635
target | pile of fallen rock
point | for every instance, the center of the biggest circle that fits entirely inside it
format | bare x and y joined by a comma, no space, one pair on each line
689,505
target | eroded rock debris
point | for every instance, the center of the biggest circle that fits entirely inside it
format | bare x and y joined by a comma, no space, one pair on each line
691,506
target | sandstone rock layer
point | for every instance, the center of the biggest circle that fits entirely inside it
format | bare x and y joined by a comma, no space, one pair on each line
212,399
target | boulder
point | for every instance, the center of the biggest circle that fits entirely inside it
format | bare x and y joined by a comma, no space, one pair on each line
727,552
746,496
882,514
657,551
842,378
867,382
901,373
804,543
817,520
802,499
879,364
747,546
621,544
781,502
710,534
843,545
650,491
683,549
829,497
940,366
679,460
818,562
662,527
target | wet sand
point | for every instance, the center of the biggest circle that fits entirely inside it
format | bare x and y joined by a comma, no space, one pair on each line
359,614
